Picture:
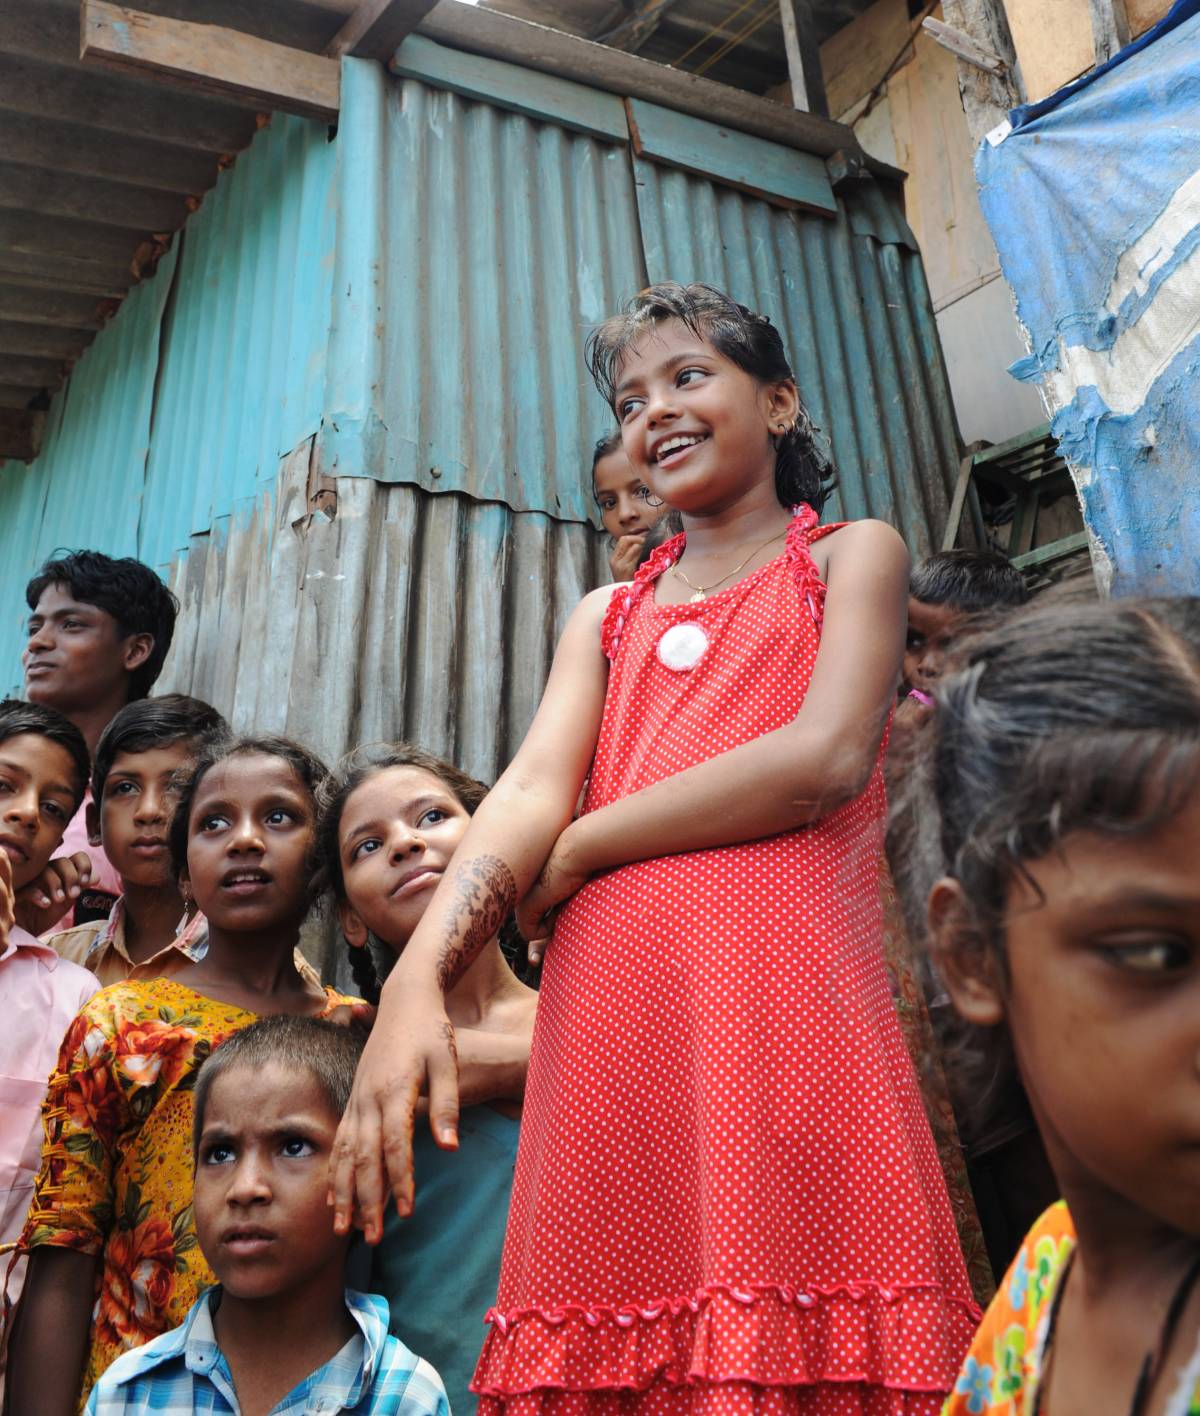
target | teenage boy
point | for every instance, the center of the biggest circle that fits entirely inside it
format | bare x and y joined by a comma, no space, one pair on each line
281,1332
99,631
136,772
43,773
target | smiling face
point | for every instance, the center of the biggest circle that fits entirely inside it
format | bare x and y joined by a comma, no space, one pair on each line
697,428
76,656
627,506
133,821
38,797
261,1180
1103,1004
398,831
250,833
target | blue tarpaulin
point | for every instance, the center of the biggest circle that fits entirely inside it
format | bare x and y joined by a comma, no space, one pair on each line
1093,199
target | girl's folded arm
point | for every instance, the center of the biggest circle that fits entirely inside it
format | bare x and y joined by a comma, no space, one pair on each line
802,771
510,835
49,1342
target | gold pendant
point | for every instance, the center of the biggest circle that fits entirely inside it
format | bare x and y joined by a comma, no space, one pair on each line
699,595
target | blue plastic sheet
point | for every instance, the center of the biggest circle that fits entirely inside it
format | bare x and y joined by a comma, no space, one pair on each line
1093,199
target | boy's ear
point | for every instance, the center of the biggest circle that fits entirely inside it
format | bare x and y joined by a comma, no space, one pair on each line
92,818
136,649
969,971
352,925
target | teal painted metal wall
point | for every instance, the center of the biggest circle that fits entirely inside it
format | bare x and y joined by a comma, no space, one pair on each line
178,413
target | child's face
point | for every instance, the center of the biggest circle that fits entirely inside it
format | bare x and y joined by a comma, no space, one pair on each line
38,795
675,385
75,655
261,1180
627,506
133,821
1103,1003
250,833
397,834
930,628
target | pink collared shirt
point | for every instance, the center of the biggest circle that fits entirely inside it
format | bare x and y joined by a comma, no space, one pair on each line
40,994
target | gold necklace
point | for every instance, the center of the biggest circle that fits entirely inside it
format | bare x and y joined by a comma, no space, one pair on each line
702,590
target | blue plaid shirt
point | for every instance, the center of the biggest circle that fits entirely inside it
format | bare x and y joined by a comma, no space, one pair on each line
184,1371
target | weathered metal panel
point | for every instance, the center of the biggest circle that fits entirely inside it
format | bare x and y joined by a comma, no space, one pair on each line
482,246
849,297
1093,198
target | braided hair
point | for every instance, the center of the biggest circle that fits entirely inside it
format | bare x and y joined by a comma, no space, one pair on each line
355,769
804,470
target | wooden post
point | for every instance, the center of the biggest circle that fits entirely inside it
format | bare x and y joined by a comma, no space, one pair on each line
378,28
1110,28
803,57
987,96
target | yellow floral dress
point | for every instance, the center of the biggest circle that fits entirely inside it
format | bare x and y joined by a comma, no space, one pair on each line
116,1177
1003,1370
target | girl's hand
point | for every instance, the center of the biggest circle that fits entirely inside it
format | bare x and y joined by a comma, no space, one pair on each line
8,916
563,874
45,900
623,562
411,1049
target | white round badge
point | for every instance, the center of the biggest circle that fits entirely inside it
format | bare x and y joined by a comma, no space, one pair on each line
682,647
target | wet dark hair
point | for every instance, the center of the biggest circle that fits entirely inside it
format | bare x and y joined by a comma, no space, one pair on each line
804,471
351,772
125,589
1062,717
307,766
605,447
970,581
154,722
18,718
328,1052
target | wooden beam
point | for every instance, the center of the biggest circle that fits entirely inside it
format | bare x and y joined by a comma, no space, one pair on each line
30,373
46,307
69,147
641,23
481,30
90,199
42,341
65,273
378,28
102,248
962,46
803,57
1110,28
21,434
212,60
987,97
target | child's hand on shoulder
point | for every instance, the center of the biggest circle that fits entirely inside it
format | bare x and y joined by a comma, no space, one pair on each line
45,900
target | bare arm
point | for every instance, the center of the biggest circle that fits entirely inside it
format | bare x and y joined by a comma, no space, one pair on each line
50,1331
785,778
492,1066
412,1043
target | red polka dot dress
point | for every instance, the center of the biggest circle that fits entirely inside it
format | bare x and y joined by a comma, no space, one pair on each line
727,1198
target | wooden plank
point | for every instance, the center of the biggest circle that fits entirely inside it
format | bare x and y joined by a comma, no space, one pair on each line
102,248
30,373
378,28
481,30
957,502
1110,28
765,169
43,341
67,147
856,59
536,95
962,45
92,199
986,98
1067,546
210,59
638,26
803,57
67,274
1053,42
106,103
48,307
21,434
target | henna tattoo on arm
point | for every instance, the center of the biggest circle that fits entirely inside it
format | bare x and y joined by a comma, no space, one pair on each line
485,892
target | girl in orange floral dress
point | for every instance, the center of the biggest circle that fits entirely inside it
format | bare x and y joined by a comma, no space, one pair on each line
114,1259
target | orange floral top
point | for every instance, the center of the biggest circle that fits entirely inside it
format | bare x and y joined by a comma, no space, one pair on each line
116,1175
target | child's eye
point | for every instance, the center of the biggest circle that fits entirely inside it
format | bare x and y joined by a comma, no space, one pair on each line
217,1154
628,407
607,503
366,848
120,789
297,1146
212,823
914,641
278,817
432,817
1155,956
687,376
54,811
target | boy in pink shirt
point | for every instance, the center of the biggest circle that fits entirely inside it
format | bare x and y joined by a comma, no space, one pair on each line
43,772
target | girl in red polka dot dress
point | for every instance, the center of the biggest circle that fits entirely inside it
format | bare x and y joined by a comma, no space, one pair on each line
727,1198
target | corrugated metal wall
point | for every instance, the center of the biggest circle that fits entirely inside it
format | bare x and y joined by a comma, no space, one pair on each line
848,295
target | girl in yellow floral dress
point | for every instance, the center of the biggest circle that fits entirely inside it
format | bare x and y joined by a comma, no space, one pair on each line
114,1259
1059,820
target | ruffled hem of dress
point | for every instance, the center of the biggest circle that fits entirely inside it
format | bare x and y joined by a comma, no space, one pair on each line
762,1335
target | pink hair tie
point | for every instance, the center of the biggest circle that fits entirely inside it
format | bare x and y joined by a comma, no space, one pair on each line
922,698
